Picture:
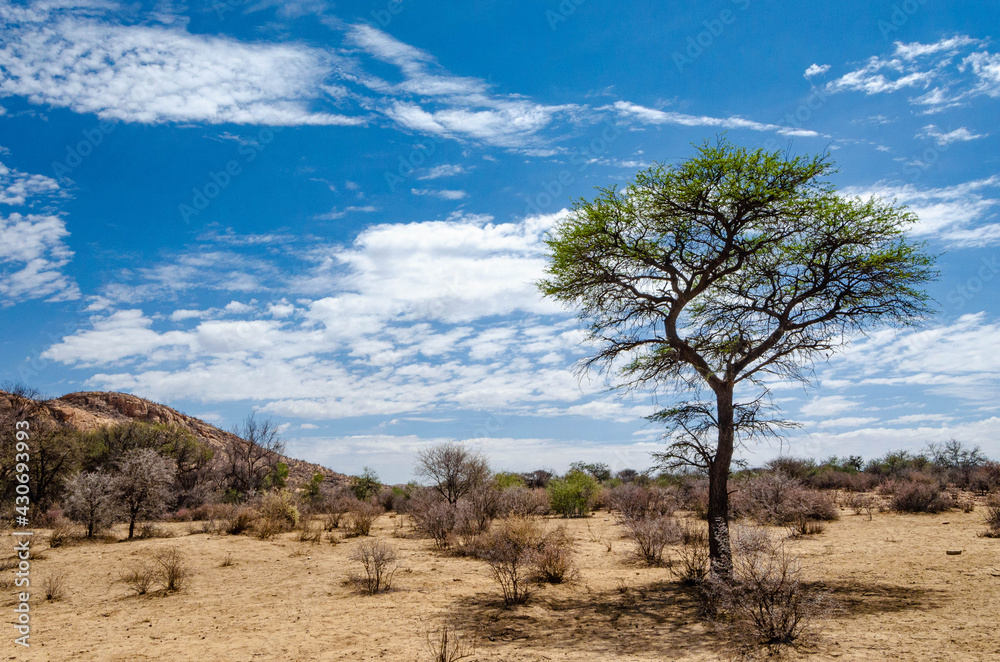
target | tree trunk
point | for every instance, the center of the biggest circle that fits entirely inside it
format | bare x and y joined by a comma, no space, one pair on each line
720,552
131,526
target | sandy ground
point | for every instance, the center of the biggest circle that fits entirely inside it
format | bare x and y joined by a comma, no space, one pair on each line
900,598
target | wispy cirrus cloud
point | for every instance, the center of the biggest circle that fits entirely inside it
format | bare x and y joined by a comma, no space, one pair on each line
942,74
653,116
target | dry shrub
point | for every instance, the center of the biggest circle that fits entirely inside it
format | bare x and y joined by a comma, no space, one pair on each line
54,586
449,647
279,507
510,549
265,528
239,520
332,520
149,530
992,518
777,499
524,501
309,533
651,535
433,516
863,503
764,602
635,502
63,533
476,510
228,561
173,570
140,577
554,560
361,517
692,562
914,496
380,562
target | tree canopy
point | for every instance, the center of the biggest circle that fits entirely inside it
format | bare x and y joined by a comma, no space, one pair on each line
725,271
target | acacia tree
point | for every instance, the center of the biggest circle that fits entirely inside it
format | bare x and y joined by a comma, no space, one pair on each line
724,271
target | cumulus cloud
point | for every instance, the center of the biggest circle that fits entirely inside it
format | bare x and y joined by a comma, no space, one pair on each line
16,186
816,70
32,256
151,73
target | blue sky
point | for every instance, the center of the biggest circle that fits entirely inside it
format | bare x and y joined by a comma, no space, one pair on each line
334,213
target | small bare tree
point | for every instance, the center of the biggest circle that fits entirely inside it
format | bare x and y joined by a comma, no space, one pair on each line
453,469
142,486
90,501
250,461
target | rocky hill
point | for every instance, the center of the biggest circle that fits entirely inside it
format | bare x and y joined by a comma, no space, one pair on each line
88,410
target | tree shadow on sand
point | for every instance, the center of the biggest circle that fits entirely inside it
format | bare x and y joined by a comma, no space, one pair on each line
662,618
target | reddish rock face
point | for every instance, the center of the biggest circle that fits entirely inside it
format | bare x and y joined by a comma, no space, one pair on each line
87,410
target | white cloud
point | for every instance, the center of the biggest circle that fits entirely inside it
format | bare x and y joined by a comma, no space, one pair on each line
955,214
154,74
16,186
32,257
847,421
828,405
410,317
947,72
443,170
816,70
653,116
960,134
443,194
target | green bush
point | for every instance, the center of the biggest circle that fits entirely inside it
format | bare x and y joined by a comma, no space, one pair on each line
573,495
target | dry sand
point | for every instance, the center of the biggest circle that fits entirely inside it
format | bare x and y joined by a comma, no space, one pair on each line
900,598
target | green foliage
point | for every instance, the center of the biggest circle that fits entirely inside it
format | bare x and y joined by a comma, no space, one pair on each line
366,485
277,477
311,491
573,495
599,470
507,479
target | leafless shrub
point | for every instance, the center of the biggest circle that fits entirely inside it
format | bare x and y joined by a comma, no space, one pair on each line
967,504
992,517
433,516
691,565
173,570
139,577
265,528
764,602
90,501
635,502
509,549
148,530
863,503
240,519
448,646
775,498
651,535
63,533
914,496
380,563
309,533
361,517
54,586
227,561
554,560
524,501
332,520
805,527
